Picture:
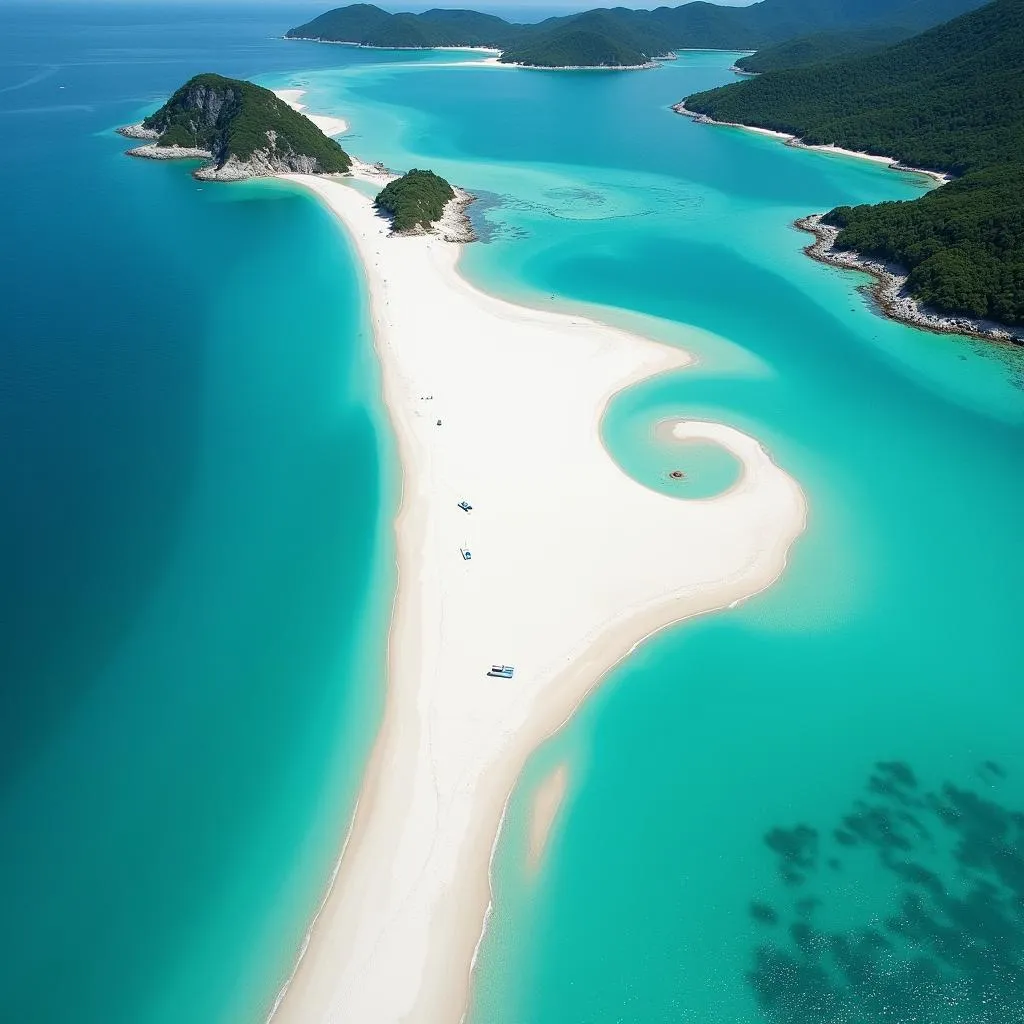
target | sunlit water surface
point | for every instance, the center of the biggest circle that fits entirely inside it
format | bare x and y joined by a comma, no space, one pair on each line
199,481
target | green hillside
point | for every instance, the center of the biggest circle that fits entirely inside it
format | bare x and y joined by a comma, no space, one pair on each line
575,49
593,39
951,99
821,46
963,243
236,119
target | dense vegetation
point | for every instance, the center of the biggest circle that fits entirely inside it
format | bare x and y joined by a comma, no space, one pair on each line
415,200
795,53
963,244
233,118
951,99
576,47
621,34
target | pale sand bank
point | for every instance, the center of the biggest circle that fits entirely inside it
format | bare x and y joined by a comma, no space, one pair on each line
330,126
546,803
573,565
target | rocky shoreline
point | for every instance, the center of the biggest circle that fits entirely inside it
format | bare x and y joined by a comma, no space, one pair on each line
155,152
455,225
138,131
151,151
889,290
262,163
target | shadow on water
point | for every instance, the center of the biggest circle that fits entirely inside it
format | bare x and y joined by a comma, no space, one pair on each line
948,947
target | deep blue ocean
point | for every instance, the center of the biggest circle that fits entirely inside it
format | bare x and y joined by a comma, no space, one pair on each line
803,811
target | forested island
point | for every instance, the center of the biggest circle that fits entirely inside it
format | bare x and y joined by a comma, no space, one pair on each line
415,201
579,47
241,129
619,37
950,99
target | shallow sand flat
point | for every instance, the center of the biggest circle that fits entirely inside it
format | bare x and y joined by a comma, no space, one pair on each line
546,803
330,126
573,564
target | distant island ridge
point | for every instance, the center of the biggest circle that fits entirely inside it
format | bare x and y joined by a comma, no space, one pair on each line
619,37
949,100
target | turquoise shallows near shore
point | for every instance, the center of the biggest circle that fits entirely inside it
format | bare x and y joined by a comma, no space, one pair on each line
199,490
196,539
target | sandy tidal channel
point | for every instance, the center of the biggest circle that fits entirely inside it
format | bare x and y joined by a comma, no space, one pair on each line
572,564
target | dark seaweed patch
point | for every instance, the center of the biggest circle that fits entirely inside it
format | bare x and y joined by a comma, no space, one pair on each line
949,948
763,913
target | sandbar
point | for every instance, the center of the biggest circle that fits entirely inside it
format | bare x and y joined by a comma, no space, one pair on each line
573,564
546,803
330,126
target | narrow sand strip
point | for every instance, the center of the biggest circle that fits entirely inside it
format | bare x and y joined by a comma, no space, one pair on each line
573,564
546,803
797,143
330,126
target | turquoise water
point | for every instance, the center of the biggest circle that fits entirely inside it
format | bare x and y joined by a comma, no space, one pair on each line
195,539
889,638
198,487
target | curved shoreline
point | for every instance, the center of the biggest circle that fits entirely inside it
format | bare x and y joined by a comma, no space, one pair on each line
520,394
330,126
797,143
889,290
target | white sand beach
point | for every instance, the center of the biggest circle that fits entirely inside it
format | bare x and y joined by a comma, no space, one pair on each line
330,126
797,143
573,564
